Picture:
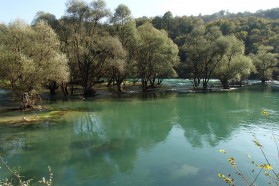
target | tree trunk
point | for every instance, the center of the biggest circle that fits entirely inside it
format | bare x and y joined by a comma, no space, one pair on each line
110,82
196,83
144,85
71,89
52,87
120,87
152,82
159,81
205,85
64,89
225,83
120,83
89,91
263,80
28,100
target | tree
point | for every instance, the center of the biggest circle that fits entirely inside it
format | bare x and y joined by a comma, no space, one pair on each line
121,15
47,17
227,26
234,66
167,23
125,29
265,62
156,56
204,50
51,20
29,58
89,46
142,20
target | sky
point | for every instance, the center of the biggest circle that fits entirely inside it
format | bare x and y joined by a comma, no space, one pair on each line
27,9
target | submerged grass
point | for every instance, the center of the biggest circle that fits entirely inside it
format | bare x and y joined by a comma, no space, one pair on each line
30,117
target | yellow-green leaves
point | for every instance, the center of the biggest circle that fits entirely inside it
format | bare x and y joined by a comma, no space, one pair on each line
31,57
226,179
258,143
231,161
223,151
265,113
265,62
265,166
247,177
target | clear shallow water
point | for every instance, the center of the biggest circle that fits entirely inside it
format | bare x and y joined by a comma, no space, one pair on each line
171,139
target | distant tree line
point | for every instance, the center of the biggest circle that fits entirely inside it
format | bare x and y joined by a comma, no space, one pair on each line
90,43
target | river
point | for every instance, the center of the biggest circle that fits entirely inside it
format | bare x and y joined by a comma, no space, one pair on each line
163,139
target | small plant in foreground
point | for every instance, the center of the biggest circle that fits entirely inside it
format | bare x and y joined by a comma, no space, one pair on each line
250,178
18,179
247,177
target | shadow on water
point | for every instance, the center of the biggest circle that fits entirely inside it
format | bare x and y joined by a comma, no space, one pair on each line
102,141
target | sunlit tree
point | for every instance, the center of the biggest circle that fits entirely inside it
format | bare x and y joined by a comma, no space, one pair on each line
156,57
234,66
204,50
123,27
30,57
89,47
265,62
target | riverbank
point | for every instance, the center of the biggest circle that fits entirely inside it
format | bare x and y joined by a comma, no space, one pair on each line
11,115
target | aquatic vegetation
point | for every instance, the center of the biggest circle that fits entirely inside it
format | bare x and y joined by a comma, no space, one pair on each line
31,118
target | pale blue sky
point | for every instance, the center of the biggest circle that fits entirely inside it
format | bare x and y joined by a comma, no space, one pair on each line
27,9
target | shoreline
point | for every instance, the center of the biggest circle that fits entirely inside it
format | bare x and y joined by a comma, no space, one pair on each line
12,116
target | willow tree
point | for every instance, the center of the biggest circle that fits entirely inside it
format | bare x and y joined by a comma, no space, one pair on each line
204,52
48,18
265,62
234,66
89,47
30,57
156,56
123,27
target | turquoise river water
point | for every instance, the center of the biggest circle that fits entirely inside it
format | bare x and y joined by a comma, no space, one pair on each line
167,139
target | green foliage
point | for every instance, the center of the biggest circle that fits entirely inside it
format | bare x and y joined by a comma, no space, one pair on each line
30,57
156,55
98,44
88,47
265,62
122,15
47,17
205,49
234,66
124,28
253,29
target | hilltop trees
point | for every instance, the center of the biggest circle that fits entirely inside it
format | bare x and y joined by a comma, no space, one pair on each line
48,18
30,57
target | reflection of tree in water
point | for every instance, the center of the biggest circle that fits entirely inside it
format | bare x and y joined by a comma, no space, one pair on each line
33,148
88,145
108,141
211,118
13,141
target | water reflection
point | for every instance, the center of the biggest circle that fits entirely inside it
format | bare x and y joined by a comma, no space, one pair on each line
160,141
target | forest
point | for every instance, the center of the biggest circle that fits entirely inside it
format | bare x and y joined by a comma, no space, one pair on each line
91,44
